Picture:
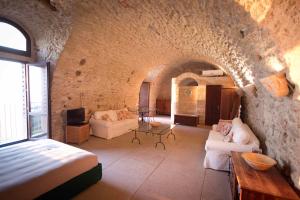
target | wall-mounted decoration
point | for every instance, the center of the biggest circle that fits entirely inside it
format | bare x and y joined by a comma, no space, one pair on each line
187,92
276,85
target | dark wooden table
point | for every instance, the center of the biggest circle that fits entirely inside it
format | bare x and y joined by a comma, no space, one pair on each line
257,185
185,119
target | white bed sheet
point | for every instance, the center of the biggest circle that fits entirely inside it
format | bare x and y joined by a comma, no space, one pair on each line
32,168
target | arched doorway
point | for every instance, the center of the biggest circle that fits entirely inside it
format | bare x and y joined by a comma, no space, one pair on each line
190,93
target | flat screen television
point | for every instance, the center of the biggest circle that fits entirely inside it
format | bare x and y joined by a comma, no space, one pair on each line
75,116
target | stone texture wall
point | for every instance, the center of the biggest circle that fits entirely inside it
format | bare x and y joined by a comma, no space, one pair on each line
187,99
49,25
276,120
115,44
162,84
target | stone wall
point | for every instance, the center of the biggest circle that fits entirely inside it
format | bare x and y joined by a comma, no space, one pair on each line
276,120
49,25
115,44
187,99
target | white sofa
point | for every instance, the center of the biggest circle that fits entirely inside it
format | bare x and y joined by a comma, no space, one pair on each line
218,151
113,128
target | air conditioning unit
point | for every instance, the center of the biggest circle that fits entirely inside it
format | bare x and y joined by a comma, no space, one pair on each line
212,73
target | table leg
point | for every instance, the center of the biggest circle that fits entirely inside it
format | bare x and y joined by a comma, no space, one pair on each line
171,133
142,116
135,138
160,142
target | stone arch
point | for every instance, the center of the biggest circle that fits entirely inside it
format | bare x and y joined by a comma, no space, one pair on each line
202,81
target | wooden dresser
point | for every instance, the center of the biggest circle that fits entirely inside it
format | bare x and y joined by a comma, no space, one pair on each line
250,184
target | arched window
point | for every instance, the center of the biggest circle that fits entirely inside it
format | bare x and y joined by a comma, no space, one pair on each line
13,38
24,109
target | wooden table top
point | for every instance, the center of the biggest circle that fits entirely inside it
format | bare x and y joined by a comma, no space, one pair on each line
266,182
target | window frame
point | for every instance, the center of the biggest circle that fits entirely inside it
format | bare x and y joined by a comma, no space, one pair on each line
26,53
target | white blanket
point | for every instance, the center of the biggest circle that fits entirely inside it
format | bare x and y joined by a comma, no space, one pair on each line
32,168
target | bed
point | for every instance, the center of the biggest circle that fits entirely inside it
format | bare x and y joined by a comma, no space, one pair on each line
46,169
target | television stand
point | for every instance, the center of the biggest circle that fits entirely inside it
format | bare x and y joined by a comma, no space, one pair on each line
77,133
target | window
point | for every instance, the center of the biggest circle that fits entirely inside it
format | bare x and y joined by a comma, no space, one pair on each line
13,117
24,106
13,38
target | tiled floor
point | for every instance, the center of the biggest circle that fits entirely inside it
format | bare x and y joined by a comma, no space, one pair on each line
141,171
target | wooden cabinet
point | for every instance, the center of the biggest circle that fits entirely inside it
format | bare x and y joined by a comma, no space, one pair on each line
77,133
189,120
230,103
221,103
163,106
250,184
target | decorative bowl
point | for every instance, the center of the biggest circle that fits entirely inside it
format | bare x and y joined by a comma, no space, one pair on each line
259,161
154,124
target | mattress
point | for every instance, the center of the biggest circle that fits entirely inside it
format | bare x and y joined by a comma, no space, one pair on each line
32,168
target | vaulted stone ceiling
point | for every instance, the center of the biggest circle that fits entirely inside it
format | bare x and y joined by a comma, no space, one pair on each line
105,49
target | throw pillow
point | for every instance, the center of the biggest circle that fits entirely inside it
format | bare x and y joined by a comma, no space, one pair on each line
221,124
228,137
121,115
106,117
240,135
225,129
97,115
130,115
113,115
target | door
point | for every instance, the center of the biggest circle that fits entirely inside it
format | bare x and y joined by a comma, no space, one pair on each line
144,96
13,116
38,100
230,103
213,101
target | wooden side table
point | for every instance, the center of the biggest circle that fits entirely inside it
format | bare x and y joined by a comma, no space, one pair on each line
250,184
77,133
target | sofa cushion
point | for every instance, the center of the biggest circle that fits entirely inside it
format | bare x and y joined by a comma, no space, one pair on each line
113,115
215,142
228,137
221,124
121,115
253,139
98,114
106,117
240,134
236,121
226,129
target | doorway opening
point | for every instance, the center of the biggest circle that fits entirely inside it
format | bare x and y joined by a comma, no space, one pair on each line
144,98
